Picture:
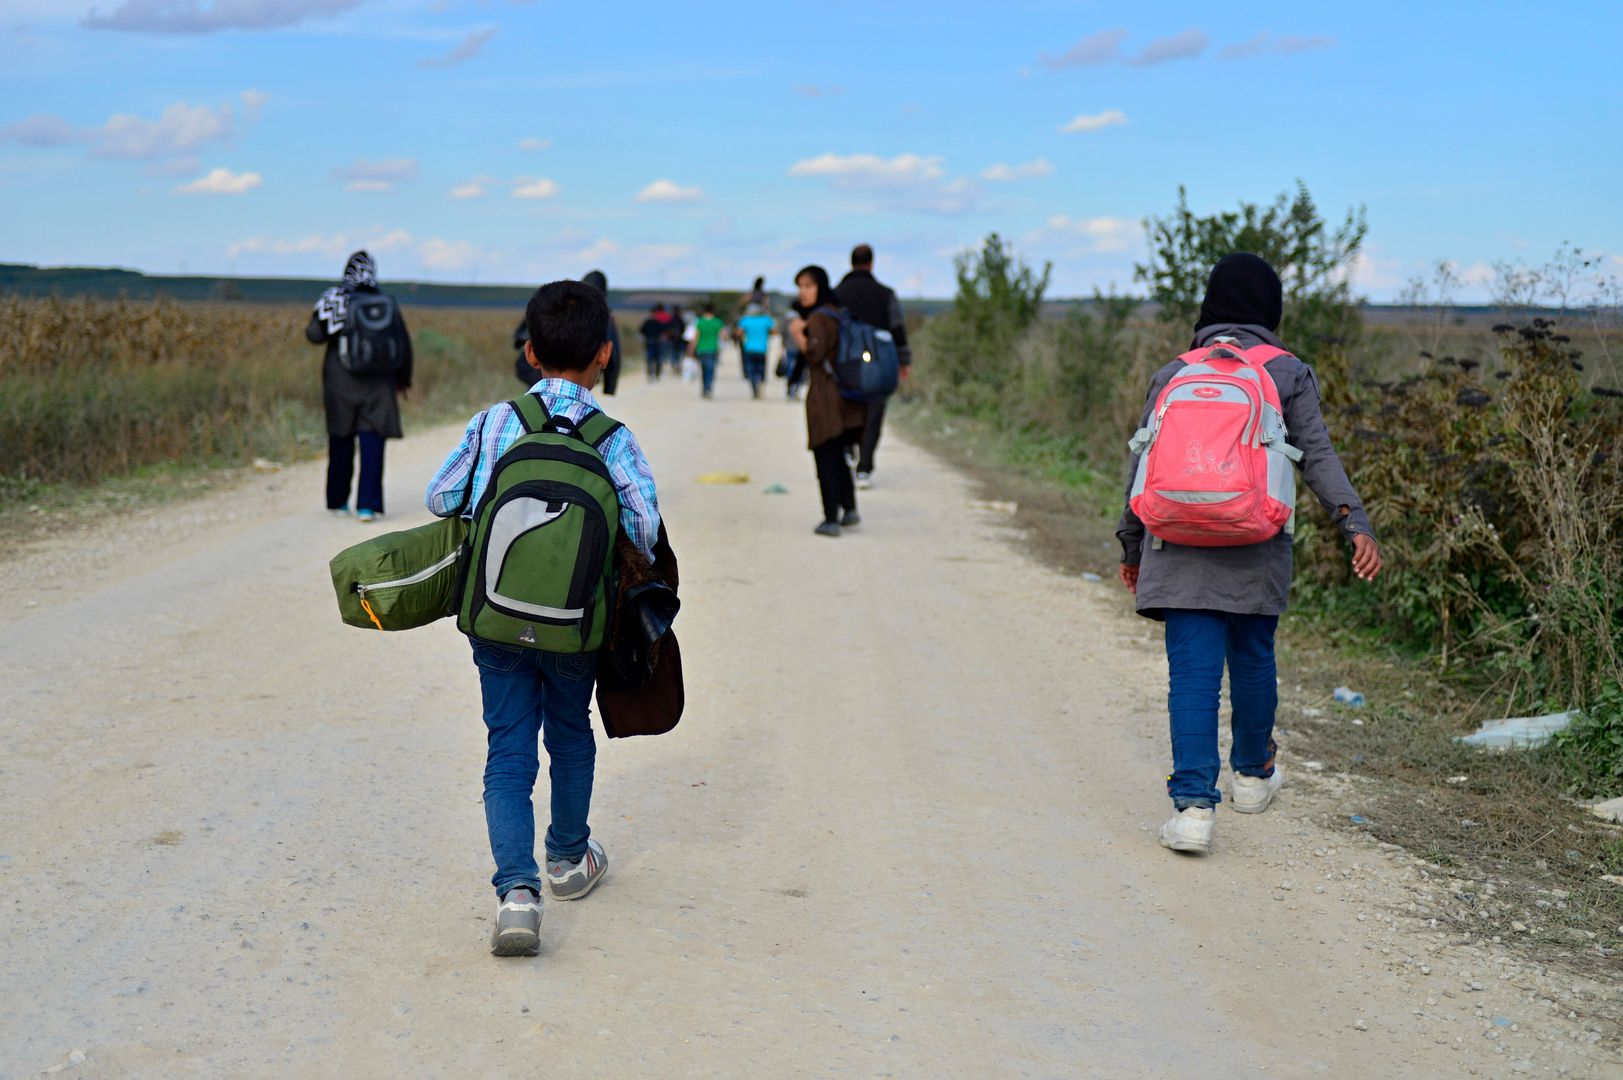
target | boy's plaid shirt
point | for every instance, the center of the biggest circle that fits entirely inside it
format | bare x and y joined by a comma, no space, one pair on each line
628,468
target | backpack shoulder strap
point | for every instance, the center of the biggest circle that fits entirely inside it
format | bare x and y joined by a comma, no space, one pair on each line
596,427
532,412
1261,354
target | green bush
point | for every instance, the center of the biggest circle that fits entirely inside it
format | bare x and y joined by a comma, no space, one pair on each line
1590,751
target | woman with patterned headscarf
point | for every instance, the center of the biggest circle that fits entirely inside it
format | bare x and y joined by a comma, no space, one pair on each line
368,362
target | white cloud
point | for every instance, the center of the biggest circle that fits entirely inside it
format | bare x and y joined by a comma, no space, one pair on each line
533,144
915,182
221,182
535,188
180,131
1093,121
1100,48
1266,42
383,175
475,188
43,129
437,254
669,191
465,50
333,245
201,17
1030,170
253,101
869,170
1191,42
1096,235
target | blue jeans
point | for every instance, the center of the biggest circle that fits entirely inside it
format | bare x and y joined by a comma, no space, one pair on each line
529,693
755,370
707,364
1198,645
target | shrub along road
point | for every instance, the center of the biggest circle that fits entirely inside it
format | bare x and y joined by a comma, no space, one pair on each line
906,827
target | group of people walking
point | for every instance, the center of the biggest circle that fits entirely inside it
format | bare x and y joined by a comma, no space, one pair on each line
1205,532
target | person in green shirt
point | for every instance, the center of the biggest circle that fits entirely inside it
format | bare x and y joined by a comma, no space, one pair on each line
709,332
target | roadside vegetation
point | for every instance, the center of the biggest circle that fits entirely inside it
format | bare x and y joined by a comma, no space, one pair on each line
1488,451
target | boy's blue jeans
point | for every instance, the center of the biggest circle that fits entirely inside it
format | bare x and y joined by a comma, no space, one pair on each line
707,365
528,693
1199,643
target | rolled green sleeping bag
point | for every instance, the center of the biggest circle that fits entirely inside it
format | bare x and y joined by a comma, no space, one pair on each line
401,580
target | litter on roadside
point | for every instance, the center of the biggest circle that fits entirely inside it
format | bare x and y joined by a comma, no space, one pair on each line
1090,576
774,489
725,478
267,465
1349,697
1358,819
1313,766
997,506
1311,713
1610,810
1516,731
1458,779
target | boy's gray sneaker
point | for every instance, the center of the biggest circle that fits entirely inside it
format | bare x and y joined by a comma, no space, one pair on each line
850,519
518,924
828,528
573,880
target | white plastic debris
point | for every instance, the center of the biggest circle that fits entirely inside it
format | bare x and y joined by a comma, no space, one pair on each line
1610,810
1517,731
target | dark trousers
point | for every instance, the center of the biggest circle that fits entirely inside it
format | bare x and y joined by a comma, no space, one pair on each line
870,434
341,468
834,481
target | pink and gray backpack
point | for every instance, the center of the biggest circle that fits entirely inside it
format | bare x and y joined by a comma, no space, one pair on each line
1214,469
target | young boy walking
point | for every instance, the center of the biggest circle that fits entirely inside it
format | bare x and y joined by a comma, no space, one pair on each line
528,693
1220,583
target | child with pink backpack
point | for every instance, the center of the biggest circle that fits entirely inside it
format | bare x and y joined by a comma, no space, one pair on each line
1206,534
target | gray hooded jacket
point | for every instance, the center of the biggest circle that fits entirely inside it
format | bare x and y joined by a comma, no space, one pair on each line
1254,579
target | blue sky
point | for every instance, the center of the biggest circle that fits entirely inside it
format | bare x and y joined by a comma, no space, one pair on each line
700,144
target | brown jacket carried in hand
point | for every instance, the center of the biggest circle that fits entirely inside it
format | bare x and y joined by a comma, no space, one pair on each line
639,683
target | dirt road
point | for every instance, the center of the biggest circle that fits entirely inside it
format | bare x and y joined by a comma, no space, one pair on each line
905,829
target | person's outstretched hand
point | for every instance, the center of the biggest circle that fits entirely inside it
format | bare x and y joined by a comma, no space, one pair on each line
1129,577
1366,556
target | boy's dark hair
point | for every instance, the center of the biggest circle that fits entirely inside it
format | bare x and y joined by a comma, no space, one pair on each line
760,283
708,309
568,323
861,257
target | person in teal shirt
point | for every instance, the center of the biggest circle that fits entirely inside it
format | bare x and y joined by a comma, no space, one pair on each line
708,333
756,329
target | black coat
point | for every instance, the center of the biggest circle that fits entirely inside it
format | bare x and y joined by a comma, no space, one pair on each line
355,404
870,301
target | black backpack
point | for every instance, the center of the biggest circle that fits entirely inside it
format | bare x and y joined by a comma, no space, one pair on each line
372,344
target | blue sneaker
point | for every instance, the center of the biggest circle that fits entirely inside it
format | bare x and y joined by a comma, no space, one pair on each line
365,517
340,511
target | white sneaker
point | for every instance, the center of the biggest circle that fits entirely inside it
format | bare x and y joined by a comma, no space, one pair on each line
1189,830
864,481
1252,794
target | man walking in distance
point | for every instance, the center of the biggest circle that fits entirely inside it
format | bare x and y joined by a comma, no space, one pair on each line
870,301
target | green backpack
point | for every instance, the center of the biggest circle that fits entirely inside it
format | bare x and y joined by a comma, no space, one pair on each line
541,548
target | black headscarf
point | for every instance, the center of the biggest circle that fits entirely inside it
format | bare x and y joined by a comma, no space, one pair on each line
1242,289
596,280
825,291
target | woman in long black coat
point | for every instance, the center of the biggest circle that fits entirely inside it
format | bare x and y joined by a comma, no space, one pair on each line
362,405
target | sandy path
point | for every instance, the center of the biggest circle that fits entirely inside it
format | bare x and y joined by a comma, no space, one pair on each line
906,828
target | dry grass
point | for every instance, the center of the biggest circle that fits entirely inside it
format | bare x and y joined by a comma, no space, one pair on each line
92,390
